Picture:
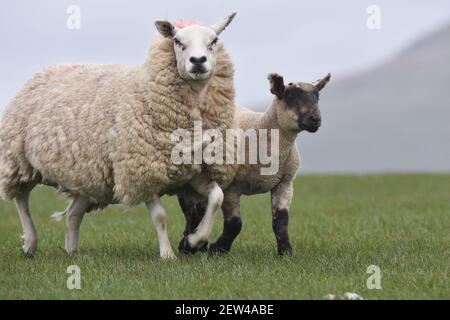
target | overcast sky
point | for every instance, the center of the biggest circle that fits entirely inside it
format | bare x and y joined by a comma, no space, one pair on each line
300,39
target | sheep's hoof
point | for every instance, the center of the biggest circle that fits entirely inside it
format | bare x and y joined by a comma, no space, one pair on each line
185,247
71,251
28,251
168,255
29,246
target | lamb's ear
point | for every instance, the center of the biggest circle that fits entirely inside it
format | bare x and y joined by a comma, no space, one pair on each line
320,84
221,25
276,84
165,28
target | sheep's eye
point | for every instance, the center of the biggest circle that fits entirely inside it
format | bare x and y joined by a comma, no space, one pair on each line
213,43
178,43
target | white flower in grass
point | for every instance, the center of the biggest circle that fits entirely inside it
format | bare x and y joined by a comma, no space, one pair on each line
352,296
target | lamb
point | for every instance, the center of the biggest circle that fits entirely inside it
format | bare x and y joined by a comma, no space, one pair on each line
294,109
101,133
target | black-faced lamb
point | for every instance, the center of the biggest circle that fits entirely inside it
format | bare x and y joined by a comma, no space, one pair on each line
295,108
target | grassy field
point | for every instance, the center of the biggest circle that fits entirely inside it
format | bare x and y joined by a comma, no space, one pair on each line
339,225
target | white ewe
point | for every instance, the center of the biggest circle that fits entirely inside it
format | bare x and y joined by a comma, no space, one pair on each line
101,134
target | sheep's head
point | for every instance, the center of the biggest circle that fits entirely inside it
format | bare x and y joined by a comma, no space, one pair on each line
298,103
194,46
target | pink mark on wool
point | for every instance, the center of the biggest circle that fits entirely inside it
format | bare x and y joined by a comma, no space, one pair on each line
180,24
71,68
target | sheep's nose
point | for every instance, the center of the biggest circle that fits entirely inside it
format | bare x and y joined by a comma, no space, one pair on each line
195,60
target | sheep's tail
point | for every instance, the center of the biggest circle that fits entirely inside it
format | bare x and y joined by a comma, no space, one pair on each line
58,216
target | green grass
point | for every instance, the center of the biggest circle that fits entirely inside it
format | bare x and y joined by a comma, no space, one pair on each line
339,225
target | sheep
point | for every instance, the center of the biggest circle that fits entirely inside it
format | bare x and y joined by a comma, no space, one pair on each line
294,109
101,133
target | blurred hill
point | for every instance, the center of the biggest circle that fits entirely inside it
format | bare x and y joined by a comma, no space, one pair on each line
395,117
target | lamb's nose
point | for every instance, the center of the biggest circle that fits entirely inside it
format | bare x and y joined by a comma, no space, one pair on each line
195,60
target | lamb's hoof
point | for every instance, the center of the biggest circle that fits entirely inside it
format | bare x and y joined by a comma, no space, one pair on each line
285,250
217,249
29,246
185,247
204,247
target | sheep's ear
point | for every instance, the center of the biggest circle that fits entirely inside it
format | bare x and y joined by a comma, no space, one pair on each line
165,28
221,25
276,85
320,84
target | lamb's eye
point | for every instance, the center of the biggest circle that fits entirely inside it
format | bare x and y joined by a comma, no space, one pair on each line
317,95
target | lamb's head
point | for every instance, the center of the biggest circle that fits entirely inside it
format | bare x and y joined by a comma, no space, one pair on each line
297,103
194,46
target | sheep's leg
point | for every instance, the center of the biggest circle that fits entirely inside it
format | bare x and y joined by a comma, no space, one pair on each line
29,236
215,198
75,214
193,210
232,224
159,218
281,201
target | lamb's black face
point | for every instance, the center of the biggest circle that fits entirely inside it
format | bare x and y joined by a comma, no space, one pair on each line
303,100
299,103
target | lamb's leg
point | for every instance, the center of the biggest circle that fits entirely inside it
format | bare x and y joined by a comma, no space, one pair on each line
159,218
281,201
193,210
75,214
29,236
232,224
215,198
